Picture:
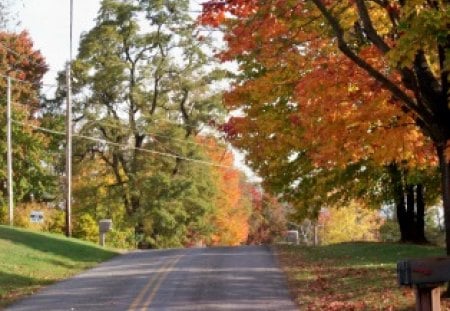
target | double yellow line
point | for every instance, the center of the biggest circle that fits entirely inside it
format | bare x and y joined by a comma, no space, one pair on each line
153,285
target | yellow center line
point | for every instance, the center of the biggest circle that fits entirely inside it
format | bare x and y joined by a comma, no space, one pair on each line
150,282
159,282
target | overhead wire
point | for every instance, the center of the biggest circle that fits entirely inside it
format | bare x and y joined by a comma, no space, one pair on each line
49,86
28,82
22,56
168,137
126,147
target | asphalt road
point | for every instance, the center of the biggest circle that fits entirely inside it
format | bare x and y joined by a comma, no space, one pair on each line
232,278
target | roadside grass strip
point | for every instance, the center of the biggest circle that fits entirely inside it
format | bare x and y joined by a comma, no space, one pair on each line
351,276
152,286
30,260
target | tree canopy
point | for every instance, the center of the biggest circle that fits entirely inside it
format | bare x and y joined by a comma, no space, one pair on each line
32,179
333,83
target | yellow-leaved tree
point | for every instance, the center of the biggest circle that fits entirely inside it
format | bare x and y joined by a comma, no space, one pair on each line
352,223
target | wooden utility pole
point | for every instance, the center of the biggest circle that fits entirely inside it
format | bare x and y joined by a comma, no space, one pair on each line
69,135
9,154
68,155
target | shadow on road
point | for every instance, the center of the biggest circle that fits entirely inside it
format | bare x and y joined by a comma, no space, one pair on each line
242,278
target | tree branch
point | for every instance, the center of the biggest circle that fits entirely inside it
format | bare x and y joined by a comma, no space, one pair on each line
396,91
369,30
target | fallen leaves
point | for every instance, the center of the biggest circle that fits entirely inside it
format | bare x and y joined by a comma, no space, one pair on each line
332,284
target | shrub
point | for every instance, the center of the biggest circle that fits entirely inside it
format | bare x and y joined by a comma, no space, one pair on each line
121,239
389,231
86,228
22,213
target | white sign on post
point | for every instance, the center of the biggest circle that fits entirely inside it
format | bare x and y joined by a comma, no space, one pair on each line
37,217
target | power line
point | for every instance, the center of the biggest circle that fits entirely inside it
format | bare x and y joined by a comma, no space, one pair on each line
126,147
169,137
148,133
28,82
23,56
32,60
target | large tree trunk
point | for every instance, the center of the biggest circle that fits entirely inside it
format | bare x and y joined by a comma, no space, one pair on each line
415,215
139,235
411,221
139,231
444,165
420,215
398,193
410,214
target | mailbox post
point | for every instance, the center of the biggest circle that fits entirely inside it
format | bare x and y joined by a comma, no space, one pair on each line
426,276
104,225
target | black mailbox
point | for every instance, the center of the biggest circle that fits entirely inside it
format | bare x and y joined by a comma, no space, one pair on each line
417,272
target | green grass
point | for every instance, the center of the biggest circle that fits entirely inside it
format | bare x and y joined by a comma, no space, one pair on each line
29,260
351,276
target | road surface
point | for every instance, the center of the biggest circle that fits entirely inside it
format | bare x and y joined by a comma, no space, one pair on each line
231,278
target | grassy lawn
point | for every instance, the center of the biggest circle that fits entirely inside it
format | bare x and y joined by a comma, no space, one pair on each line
350,276
29,260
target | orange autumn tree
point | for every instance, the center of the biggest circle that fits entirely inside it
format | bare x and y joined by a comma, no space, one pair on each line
292,69
268,217
345,108
232,208
25,66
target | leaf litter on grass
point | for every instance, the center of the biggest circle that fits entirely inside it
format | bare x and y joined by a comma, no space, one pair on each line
321,281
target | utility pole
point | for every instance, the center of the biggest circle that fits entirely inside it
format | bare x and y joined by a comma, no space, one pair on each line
68,154
69,135
9,154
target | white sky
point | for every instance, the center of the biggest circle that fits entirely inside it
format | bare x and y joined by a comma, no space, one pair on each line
47,21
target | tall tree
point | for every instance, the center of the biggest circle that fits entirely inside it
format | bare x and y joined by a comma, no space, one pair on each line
25,65
392,55
267,220
142,81
232,206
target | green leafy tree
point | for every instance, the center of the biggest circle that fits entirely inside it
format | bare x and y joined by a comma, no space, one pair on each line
32,179
142,81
